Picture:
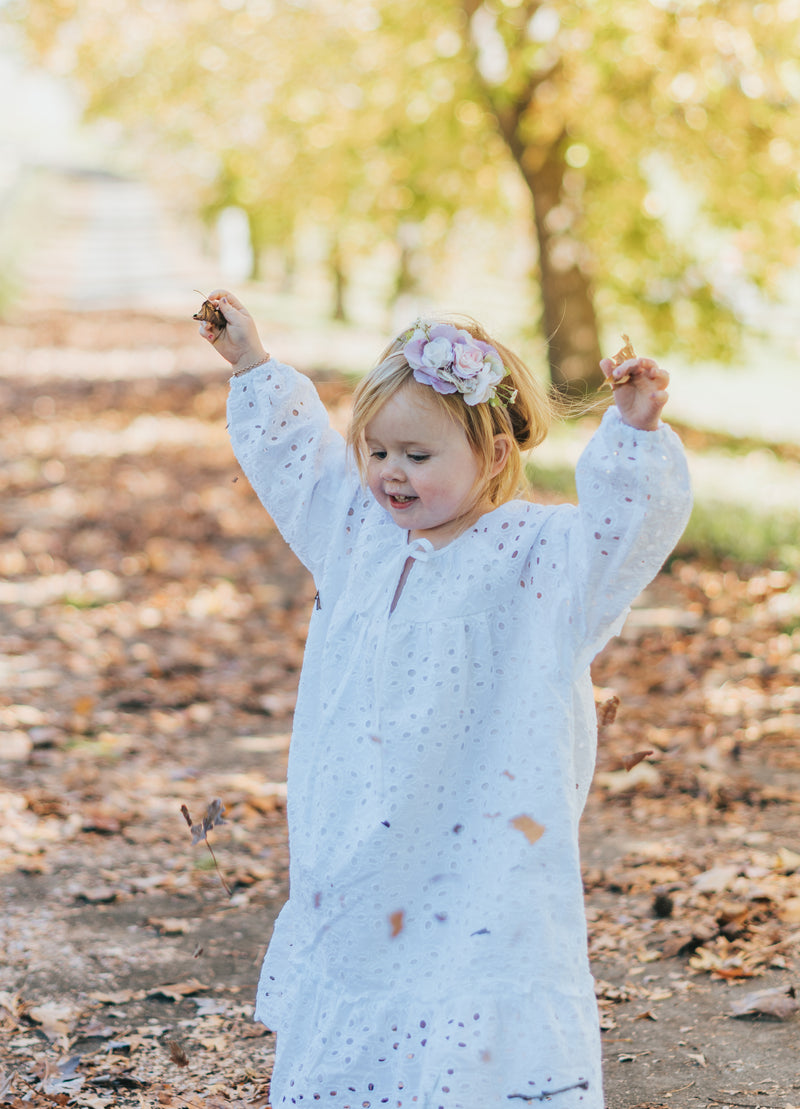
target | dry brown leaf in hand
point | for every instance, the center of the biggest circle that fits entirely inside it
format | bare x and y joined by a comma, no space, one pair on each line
623,354
209,313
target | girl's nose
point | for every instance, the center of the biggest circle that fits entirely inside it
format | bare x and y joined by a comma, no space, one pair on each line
392,470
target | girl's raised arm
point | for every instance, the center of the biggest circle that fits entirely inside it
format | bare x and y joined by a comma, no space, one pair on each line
634,501
282,438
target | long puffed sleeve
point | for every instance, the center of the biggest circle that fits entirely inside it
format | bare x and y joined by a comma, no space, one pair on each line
294,460
634,501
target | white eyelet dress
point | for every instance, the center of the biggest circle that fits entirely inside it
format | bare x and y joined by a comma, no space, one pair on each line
432,952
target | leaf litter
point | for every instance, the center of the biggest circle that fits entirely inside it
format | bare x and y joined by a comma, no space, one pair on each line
152,632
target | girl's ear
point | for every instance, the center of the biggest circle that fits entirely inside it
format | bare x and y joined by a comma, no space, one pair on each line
502,449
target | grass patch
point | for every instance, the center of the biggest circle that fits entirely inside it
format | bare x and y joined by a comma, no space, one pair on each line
732,532
717,531
558,481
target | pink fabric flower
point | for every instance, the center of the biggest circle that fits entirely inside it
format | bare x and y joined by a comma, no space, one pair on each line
450,360
468,361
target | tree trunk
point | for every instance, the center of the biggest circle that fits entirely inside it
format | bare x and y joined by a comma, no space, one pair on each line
568,319
339,279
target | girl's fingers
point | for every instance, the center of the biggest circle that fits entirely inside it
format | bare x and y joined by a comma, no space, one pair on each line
225,300
606,365
633,368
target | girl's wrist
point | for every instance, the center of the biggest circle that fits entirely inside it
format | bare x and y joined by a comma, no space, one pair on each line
249,361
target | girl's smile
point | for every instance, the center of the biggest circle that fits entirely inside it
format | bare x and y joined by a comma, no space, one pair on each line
421,467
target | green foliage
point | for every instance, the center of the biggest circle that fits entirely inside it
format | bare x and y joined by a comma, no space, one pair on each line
676,122
672,124
736,533
727,532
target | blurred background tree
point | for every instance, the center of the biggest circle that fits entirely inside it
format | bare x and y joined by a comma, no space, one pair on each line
657,139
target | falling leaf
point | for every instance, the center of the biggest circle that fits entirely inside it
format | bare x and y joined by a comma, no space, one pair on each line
607,711
528,826
396,922
211,818
177,1053
213,815
634,759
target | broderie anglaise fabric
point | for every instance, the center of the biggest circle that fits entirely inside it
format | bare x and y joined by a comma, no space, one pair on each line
433,949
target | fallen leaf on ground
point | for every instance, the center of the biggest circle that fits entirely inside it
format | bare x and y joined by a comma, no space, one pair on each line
171,926
178,990
56,1019
779,1003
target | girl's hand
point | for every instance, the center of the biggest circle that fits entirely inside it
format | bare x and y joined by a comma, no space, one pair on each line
641,397
238,342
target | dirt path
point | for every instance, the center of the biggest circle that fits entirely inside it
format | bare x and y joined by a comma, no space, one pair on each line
151,631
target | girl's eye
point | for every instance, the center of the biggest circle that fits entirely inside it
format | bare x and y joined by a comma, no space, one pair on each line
419,457
377,454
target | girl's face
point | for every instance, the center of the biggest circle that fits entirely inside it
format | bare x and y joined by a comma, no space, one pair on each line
421,467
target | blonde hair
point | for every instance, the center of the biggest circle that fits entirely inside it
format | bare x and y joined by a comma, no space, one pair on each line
526,420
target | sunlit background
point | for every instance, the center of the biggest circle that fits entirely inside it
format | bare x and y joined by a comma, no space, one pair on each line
347,164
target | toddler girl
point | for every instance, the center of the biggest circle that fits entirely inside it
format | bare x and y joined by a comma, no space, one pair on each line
433,949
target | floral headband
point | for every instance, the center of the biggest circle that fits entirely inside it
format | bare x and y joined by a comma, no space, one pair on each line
451,361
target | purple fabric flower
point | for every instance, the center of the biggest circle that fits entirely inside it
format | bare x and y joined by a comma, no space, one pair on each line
450,360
